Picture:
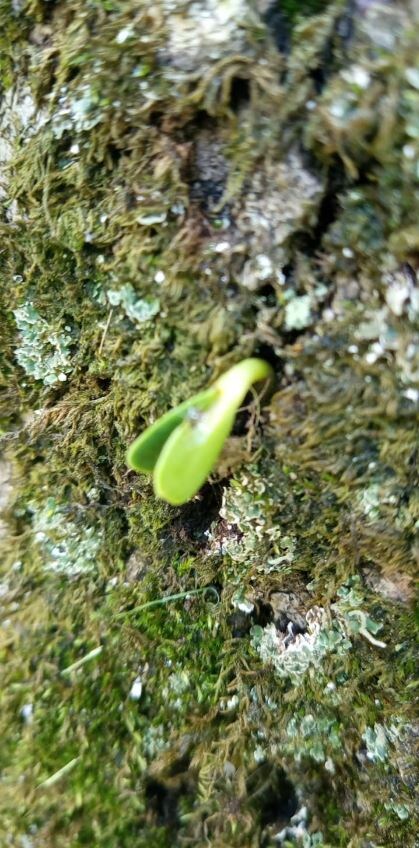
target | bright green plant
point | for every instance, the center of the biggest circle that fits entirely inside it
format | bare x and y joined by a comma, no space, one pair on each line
182,447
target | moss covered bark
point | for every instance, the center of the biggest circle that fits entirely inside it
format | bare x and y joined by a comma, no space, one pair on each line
183,185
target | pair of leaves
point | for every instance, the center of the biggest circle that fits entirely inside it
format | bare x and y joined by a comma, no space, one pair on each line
182,447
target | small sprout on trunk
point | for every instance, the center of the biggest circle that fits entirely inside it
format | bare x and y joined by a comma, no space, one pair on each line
183,446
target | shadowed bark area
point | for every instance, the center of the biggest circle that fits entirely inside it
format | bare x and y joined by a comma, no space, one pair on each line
183,185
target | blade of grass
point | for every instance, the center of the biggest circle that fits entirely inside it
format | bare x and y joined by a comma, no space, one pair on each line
158,601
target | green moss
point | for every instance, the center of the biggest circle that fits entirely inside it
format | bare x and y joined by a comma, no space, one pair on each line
293,10
144,183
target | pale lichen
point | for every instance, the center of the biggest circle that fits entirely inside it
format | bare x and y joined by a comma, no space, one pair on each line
238,180
136,308
296,833
298,312
77,111
292,655
254,535
313,736
377,740
67,547
278,201
44,353
202,31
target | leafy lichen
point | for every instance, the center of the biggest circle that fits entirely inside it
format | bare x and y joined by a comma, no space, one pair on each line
234,184
66,548
43,353
293,656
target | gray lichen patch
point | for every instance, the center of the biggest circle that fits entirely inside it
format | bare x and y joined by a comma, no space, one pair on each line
307,639
200,32
292,655
135,308
43,353
279,200
67,547
76,112
298,313
249,193
253,534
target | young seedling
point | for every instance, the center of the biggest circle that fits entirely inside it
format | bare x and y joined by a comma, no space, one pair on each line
182,447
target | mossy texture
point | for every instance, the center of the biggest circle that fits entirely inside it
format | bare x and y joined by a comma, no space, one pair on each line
183,186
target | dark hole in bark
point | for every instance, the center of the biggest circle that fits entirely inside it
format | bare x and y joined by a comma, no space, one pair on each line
242,418
239,93
72,73
278,26
318,76
232,290
48,9
130,200
345,25
413,459
268,293
284,623
196,516
272,795
114,153
288,271
207,193
180,766
266,352
162,803
201,120
310,242
281,17
154,118
262,614
239,623
104,383
169,346
38,459
330,206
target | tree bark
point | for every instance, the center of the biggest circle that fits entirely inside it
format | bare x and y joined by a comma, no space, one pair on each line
184,185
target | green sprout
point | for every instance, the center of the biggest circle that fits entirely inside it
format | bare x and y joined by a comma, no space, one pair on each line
182,447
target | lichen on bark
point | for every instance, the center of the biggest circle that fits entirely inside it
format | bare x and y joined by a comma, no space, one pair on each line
183,185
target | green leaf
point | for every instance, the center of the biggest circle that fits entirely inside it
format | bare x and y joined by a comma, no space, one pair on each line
190,454
183,446
143,454
192,449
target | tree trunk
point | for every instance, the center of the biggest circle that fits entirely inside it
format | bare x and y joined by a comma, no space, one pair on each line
185,185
